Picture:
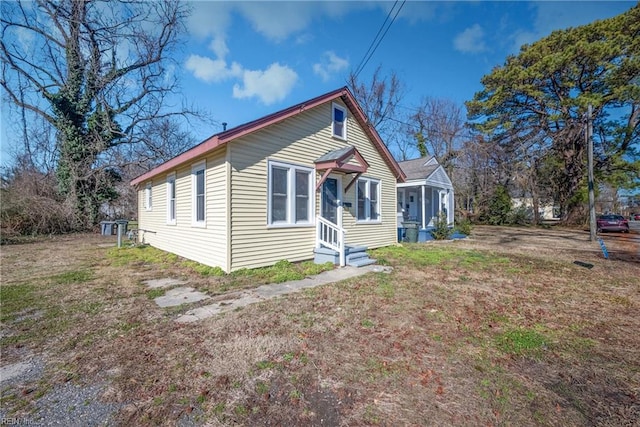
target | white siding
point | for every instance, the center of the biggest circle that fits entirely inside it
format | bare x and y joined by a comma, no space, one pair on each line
207,245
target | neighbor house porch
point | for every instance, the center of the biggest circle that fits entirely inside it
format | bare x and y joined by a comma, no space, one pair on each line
424,197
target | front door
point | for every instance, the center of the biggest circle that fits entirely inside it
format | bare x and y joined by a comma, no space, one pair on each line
330,200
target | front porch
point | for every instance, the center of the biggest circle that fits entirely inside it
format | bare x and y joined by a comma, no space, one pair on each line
423,204
331,243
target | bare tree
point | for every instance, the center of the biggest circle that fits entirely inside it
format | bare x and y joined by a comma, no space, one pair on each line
97,72
162,140
441,129
379,100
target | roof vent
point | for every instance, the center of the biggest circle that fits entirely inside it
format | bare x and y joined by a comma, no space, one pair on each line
224,126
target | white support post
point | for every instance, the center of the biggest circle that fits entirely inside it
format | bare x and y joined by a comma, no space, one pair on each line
451,207
318,234
424,210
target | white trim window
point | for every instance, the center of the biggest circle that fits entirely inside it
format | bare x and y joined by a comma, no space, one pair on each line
198,194
368,200
290,191
338,121
171,199
148,196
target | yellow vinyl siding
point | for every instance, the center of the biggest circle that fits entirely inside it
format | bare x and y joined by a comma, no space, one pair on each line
253,243
207,245
374,234
299,141
236,234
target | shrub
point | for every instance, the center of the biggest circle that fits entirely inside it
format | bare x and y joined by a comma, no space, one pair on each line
32,206
464,226
518,216
499,207
441,230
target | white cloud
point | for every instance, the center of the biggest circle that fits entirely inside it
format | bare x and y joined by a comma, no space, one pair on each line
420,11
212,70
210,18
279,20
219,46
331,64
25,38
274,20
269,86
470,40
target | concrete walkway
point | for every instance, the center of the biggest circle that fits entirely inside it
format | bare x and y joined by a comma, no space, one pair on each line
236,300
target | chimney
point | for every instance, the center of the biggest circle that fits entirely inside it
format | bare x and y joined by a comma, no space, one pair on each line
224,126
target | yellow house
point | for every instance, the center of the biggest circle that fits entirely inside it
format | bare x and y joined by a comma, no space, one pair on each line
313,180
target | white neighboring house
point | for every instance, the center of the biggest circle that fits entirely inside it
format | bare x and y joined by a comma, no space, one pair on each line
426,193
546,211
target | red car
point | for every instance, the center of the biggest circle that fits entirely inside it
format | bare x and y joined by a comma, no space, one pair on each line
636,217
611,222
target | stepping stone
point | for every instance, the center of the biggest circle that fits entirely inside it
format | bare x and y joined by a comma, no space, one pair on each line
163,283
266,292
217,308
178,296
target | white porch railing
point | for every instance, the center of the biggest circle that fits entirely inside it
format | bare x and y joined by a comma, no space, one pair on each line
330,235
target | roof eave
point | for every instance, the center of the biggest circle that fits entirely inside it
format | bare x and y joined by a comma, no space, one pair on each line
220,139
204,147
353,105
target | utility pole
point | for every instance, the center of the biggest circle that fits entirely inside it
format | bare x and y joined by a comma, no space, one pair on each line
592,198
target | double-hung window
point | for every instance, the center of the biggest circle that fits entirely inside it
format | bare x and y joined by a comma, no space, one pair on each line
171,199
368,200
339,121
148,199
198,193
290,200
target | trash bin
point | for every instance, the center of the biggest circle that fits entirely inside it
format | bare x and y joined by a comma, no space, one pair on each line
411,232
106,228
122,226
400,234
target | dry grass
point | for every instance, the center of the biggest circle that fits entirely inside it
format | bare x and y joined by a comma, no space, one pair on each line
500,329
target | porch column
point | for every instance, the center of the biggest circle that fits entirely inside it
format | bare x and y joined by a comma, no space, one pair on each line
424,206
451,208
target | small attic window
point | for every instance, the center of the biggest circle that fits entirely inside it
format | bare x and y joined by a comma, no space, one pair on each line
339,125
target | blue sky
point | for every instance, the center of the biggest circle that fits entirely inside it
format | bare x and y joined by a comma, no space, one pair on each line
243,60
248,59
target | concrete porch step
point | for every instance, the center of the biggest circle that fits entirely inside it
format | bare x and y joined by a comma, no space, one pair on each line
356,256
361,262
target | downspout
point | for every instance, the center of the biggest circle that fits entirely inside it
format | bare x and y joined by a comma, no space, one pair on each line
343,250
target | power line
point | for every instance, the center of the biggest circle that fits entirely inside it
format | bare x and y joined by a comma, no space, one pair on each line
379,37
433,130
375,38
